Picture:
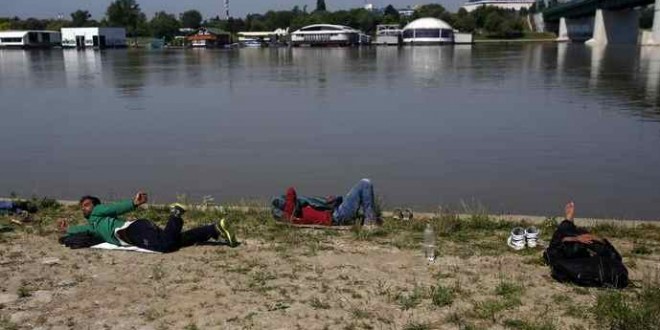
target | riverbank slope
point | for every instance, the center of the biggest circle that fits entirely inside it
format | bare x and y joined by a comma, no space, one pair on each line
285,278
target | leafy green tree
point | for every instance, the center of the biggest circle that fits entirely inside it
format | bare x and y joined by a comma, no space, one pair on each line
391,15
164,25
430,10
127,14
494,22
80,18
30,24
5,25
390,10
191,19
280,19
464,21
56,25
320,5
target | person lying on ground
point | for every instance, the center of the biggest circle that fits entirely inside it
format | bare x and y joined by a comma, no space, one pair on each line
329,211
567,231
577,256
104,221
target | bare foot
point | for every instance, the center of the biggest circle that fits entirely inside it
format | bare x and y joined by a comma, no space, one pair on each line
569,210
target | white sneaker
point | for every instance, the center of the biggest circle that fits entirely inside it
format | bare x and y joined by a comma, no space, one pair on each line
517,239
407,215
532,236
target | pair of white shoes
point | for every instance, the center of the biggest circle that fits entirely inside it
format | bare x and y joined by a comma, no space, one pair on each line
520,237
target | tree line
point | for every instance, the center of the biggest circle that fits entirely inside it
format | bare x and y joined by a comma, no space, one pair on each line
120,13
487,21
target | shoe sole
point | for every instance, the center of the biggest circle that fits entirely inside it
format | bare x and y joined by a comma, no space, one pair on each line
179,206
225,232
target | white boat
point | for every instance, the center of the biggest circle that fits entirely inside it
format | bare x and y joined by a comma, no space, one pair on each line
328,34
252,43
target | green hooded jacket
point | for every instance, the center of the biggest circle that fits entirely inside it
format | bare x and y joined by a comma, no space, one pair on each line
104,219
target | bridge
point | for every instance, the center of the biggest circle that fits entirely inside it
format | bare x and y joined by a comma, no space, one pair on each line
603,21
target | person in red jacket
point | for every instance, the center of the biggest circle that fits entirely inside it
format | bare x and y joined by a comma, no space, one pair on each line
360,196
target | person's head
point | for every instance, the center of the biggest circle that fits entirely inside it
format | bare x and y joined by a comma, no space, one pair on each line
87,204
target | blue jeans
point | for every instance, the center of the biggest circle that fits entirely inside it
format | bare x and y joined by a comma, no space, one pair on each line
361,195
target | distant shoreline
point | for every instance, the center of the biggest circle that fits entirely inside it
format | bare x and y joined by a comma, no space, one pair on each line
506,41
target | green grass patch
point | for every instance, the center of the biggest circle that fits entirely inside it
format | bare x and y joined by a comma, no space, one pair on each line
525,325
409,300
414,325
489,309
621,311
641,250
441,296
360,313
509,290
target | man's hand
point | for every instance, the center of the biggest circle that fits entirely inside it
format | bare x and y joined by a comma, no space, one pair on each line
584,239
140,198
62,225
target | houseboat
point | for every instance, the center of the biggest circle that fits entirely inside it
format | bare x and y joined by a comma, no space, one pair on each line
266,37
30,39
428,31
388,34
328,35
516,5
209,38
94,37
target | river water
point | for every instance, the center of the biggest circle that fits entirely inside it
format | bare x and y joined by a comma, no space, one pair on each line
512,128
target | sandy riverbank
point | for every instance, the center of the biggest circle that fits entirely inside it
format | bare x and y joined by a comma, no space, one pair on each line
286,278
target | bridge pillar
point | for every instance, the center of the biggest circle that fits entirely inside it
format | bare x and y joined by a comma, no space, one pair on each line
652,38
615,27
563,30
656,22
575,29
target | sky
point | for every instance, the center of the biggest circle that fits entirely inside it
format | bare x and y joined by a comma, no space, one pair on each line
208,8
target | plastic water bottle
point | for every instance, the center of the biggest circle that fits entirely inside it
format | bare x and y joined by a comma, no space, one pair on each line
429,243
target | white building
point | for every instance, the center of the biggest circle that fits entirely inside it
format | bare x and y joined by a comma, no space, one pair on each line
263,36
504,4
29,39
388,34
406,12
328,34
96,37
428,30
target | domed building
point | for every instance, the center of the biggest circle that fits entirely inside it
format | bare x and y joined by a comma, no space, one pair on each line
428,30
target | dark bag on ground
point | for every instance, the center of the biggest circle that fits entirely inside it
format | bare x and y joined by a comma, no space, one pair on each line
597,264
80,240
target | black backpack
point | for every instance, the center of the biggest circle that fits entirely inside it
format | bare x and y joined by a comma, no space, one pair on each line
597,264
80,240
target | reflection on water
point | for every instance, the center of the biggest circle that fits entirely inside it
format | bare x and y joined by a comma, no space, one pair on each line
520,128
650,67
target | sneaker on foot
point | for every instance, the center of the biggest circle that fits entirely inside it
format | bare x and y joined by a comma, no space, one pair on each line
225,233
177,210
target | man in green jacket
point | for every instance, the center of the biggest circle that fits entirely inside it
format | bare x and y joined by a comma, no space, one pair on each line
105,222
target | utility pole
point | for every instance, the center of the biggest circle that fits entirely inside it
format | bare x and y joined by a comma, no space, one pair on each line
227,9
